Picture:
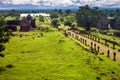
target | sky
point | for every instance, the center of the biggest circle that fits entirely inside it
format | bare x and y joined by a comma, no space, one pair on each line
43,4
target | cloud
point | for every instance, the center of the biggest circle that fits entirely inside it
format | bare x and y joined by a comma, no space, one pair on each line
99,3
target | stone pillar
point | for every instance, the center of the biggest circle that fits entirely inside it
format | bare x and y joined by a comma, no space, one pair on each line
85,42
91,44
113,45
98,48
114,56
94,46
108,53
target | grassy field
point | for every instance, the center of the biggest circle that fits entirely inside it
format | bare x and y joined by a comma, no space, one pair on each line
53,57
47,21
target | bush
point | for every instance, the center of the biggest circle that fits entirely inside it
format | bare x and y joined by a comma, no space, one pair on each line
2,69
61,19
9,66
21,35
41,19
2,55
47,29
55,23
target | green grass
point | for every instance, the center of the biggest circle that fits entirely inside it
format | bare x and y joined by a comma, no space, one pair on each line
53,57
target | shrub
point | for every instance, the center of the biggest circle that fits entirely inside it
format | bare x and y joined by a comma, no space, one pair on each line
2,55
55,23
21,35
61,19
9,66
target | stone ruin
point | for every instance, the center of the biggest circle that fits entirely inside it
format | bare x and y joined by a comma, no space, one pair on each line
26,24
12,25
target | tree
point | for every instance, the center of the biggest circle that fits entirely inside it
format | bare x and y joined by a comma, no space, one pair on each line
41,19
68,23
17,18
68,11
13,13
61,19
60,11
87,17
71,18
55,23
54,15
4,36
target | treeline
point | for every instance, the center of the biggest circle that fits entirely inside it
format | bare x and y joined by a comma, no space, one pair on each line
90,17
85,16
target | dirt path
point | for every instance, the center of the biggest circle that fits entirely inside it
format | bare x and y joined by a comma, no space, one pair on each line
114,54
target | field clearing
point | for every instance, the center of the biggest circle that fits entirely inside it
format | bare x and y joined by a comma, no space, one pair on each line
53,57
47,21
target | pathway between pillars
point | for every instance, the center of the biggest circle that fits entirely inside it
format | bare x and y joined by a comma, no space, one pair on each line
109,52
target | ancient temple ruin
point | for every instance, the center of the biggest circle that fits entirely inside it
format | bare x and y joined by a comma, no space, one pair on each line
26,24
12,25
